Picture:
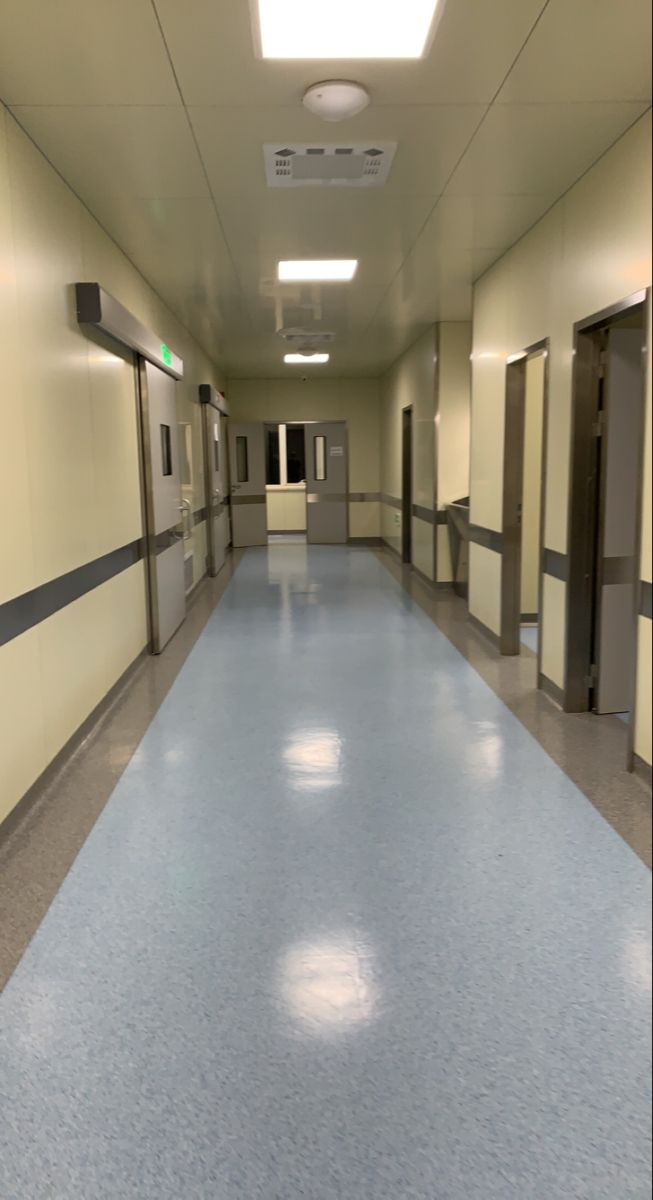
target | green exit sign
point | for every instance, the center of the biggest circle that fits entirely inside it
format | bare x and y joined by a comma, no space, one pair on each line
166,355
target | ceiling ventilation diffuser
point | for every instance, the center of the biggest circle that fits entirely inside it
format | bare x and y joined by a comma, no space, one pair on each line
296,337
328,164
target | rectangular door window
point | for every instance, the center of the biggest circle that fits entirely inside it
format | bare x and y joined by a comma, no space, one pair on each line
319,452
295,463
216,448
273,474
166,450
242,464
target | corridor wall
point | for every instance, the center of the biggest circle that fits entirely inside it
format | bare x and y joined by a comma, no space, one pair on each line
591,250
432,376
410,382
355,401
69,470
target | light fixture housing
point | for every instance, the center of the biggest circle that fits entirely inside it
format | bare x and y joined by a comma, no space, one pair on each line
345,29
322,270
336,99
306,358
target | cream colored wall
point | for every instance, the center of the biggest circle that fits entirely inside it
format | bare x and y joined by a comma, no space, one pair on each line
69,478
485,586
286,507
454,422
454,409
355,401
591,250
532,485
410,381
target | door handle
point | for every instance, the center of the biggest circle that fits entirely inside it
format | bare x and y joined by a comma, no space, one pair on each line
186,510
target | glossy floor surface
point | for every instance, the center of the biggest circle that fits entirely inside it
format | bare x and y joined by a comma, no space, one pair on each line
344,931
529,637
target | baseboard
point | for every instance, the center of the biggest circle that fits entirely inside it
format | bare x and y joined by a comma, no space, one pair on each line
392,552
642,769
551,689
429,583
485,631
63,756
529,618
285,532
365,541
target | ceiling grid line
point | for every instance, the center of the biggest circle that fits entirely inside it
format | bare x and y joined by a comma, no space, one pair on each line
457,164
202,163
157,115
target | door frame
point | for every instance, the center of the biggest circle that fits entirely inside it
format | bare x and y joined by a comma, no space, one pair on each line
147,503
145,467
583,503
209,399
407,478
513,482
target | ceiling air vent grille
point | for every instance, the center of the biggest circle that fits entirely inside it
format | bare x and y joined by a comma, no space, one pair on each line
296,336
328,165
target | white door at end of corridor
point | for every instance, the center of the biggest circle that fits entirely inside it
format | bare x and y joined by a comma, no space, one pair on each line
327,488
247,473
163,503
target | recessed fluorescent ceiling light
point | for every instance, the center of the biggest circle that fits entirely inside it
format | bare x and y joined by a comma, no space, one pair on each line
345,28
317,270
305,358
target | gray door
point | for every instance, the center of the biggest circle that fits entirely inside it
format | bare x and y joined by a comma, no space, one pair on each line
214,466
249,525
622,421
326,482
165,533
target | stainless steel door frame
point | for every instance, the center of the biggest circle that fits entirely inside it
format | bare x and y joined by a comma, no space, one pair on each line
214,455
164,531
249,523
327,482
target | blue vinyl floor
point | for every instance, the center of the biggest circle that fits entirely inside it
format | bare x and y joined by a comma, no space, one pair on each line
343,932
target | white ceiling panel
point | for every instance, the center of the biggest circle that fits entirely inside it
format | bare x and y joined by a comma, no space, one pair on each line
479,222
475,43
514,101
135,151
321,225
81,52
585,50
539,149
430,141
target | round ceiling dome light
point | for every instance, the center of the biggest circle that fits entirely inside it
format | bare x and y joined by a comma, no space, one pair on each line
336,99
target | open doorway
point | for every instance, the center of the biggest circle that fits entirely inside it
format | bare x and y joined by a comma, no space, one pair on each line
285,482
407,485
605,505
523,488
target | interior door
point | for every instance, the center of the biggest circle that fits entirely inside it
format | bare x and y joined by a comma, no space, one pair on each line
620,445
247,473
165,531
326,482
214,466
